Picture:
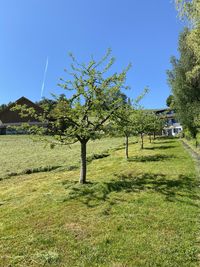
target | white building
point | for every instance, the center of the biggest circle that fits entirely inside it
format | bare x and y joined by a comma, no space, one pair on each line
172,126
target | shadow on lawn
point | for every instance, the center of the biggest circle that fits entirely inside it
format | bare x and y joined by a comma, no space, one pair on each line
93,194
161,141
160,147
158,157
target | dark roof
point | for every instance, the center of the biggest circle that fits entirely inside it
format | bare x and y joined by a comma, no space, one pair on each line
161,110
165,113
158,109
9,116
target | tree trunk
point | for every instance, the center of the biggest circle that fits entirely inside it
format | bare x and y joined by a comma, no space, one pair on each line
154,135
196,143
142,143
83,162
126,146
150,138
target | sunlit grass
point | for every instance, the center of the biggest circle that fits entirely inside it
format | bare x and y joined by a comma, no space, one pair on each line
21,154
140,212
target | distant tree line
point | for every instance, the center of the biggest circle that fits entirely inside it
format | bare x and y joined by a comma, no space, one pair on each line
4,106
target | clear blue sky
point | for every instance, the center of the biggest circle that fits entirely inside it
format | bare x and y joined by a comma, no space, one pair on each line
143,32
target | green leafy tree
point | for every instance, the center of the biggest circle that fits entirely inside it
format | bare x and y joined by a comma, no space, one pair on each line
170,101
146,123
125,119
92,99
4,106
190,9
47,104
140,124
122,124
186,91
154,125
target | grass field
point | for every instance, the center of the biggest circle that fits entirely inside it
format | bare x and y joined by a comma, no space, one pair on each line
20,154
140,212
192,144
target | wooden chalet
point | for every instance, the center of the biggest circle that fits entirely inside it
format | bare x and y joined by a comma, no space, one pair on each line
10,118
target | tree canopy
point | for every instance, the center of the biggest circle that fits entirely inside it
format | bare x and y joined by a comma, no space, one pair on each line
186,91
93,96
190,9
170,101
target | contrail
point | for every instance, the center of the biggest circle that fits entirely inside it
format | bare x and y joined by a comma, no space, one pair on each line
44,78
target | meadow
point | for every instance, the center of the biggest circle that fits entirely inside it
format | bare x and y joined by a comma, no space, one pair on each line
194,143
21,154
138,212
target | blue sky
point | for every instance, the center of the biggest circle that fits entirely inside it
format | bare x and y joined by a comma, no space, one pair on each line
143,32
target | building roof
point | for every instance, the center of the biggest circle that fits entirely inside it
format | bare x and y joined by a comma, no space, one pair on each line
8,116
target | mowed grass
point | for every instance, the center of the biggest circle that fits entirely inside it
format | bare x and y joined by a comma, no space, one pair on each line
21,154
194,144
140,212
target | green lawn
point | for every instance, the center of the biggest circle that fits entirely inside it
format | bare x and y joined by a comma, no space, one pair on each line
192,143
21,153
140,212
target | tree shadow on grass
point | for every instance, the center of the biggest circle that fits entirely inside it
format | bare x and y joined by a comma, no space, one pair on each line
159,147
181,189
158,157
161,141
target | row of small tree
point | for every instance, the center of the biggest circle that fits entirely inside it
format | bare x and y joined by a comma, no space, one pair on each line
133,122
94,105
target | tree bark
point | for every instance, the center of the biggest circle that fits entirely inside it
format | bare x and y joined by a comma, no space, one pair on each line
196,143
142,143
83,162
126,146
150,138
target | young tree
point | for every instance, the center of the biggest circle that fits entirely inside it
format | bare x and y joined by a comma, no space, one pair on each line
124,119
91,101
154,125
146,122
140,124
123,124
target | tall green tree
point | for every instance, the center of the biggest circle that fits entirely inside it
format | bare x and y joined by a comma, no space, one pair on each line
186,91
190,9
